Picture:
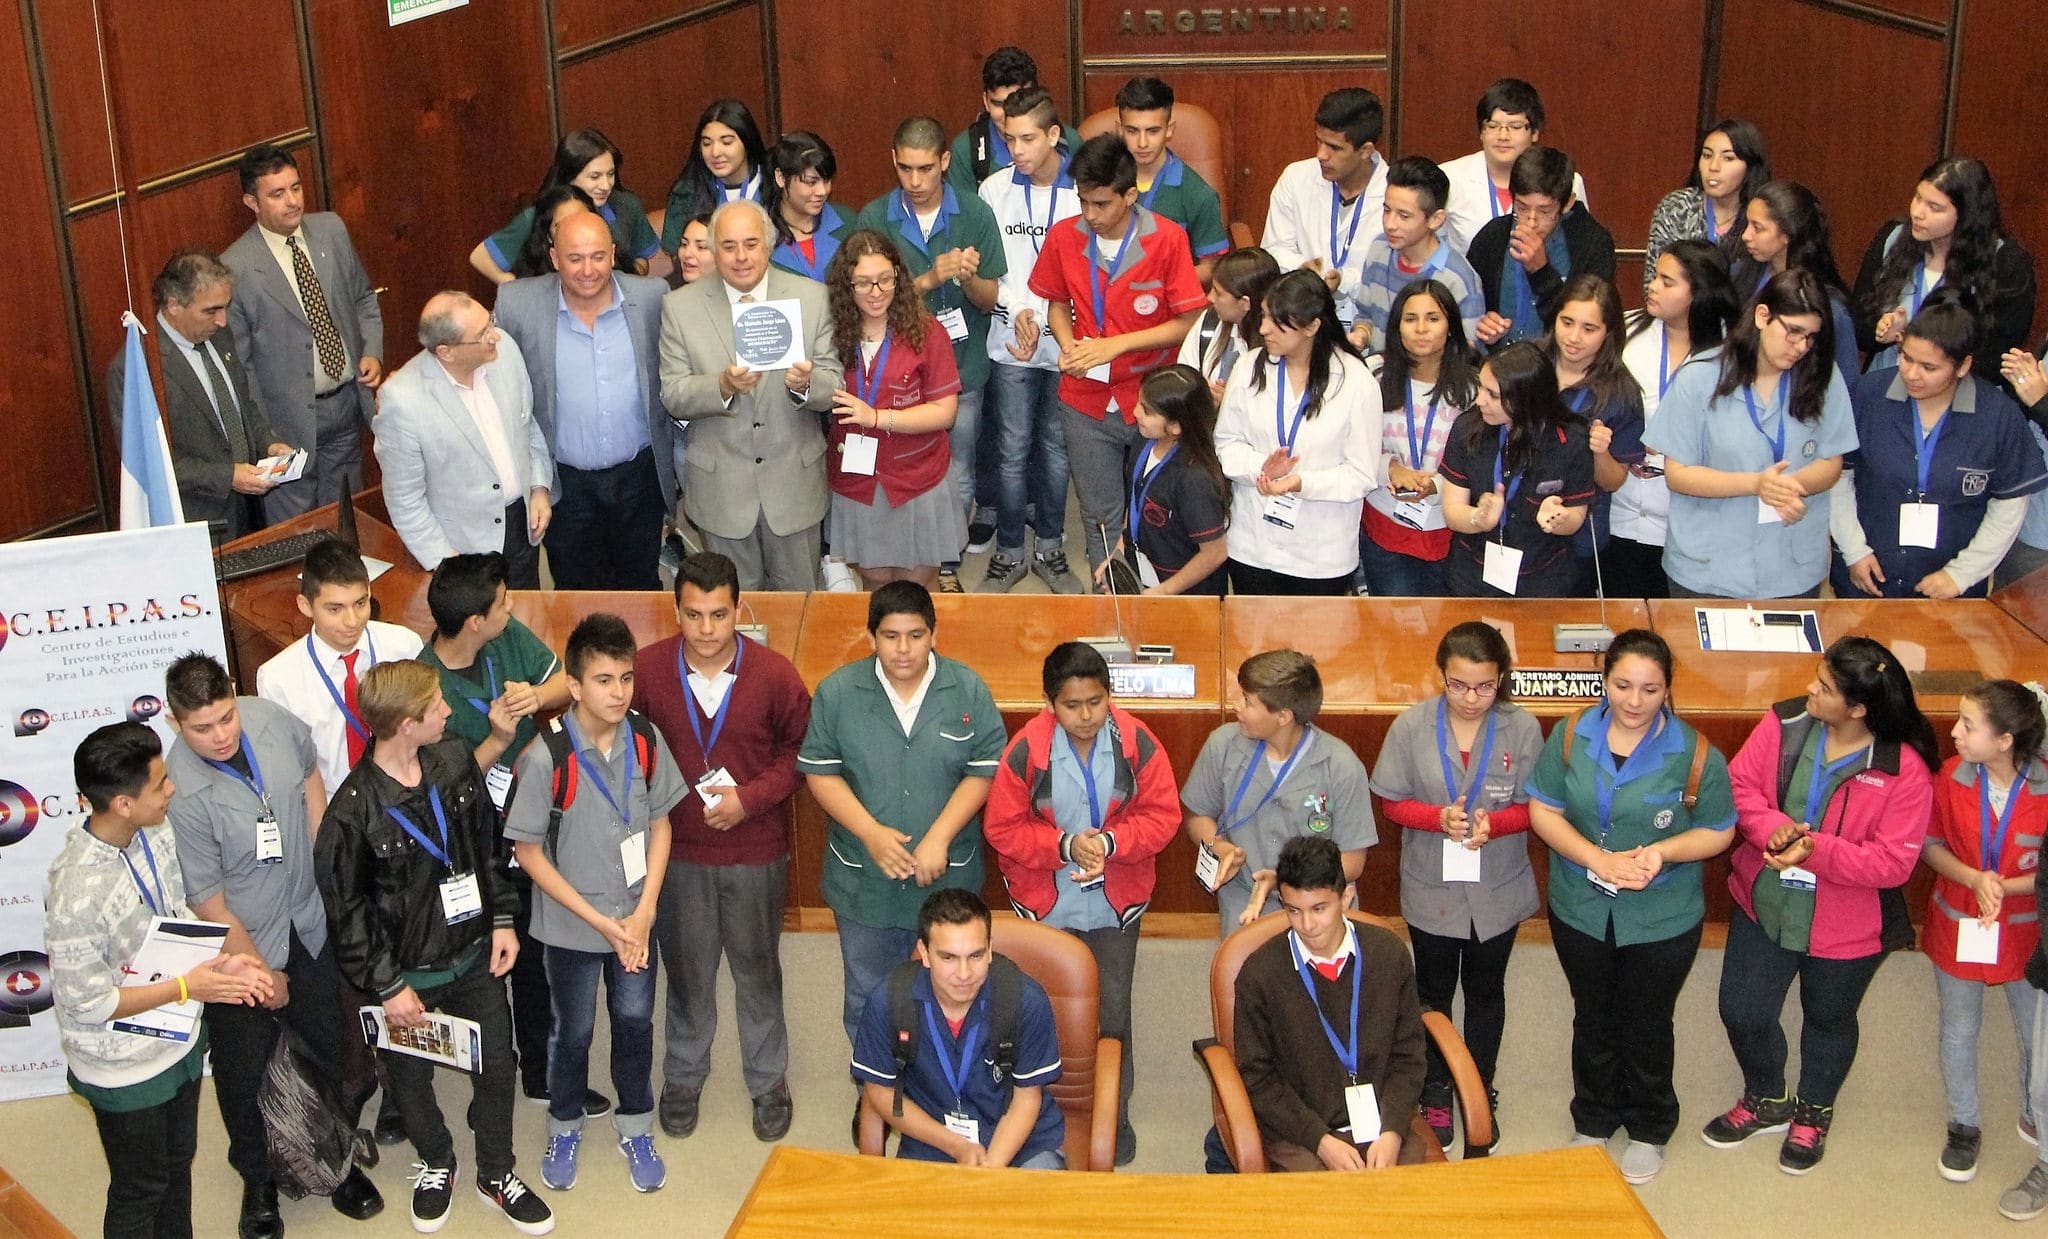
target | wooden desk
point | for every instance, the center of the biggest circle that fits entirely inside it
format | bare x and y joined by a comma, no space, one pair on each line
2026,600
1377,657
804,1192
651,614
1005,638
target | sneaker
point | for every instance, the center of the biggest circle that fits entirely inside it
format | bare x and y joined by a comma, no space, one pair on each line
558,1163
1436,1111
1748,1117
1003,572
1640,1162
949,581
981,533
643,1163
1808,1139
1580,1140
1051,567
1493,1108
837,576
528,1213
2027,1199
1959,1155
1126,1144
433,1189
2030,1133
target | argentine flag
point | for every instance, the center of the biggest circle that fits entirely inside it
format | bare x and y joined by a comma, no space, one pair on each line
149,491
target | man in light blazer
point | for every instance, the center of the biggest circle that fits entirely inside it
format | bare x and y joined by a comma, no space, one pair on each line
313,345
217,427
466,468
756,447
590,335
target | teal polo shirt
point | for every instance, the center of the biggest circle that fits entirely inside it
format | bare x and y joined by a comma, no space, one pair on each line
631,231
513,655
1181,195
903,780
964,221
1648,792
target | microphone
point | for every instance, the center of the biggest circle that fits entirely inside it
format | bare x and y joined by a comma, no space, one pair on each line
753,627
1115,648
1587,638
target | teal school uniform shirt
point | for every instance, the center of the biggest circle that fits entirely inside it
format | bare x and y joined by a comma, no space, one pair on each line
964,221
515,654
1181,195
631,231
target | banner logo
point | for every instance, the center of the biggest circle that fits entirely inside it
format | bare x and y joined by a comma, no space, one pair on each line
24,983
31,721
145,708
18,813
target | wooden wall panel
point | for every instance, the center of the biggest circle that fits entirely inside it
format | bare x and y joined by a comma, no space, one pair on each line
1998,106
1197,30
645,95
854,69
1878,89
167,65
1934,11
77,117
429,129
1631,132
579,22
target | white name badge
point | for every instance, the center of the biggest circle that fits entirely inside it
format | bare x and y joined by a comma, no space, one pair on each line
1092,883
1919,524
1347,311
1413,513
1793,877
1148,576
858,455
1976,944
1767,515
1281,509
269,841
1206,867
1502,568
498,782
1653,462
955,323
964,1127
633,855
1461,864
461,898
1608,889
717,778
1364,1109
1099,374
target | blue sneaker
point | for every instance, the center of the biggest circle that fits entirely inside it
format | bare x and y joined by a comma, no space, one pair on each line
558,1164
645,1166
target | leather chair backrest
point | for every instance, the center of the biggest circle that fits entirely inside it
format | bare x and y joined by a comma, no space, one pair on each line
1197,139
1064,968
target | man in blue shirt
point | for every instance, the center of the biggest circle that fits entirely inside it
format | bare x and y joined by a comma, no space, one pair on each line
958,1102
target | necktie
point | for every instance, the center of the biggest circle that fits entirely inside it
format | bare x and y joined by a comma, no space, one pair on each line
325,338
1329,971
746,298
348,695
231,422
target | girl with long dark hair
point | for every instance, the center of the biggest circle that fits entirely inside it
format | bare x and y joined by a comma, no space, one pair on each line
808,227
1785,228
727,160
1229,328
587,160
1730,166
1428,378
1583,342
1179,499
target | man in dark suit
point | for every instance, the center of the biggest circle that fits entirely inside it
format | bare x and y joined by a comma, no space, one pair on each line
590,338
217,428
307,323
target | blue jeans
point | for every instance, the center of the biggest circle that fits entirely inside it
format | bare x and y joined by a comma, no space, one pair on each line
1029,435
1962,1018
629,999
960,441
867,955
1390,574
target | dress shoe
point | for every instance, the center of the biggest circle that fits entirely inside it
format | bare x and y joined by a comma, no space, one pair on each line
772,1112
260,1219
678,1109
390,1125
357,1197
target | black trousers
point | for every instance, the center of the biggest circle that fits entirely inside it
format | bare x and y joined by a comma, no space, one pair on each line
1246,579
149,1167
475,995
1755,973
531,1005
1440,963
606,528
1633,569
522,557
243,1038
1623,998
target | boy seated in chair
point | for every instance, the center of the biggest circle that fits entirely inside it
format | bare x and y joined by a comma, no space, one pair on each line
956,1048
1328,1031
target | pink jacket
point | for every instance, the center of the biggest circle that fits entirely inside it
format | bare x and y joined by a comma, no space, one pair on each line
1866,841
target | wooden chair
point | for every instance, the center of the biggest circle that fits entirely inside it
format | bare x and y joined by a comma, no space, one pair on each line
1197,139
1233,1107
1090,1064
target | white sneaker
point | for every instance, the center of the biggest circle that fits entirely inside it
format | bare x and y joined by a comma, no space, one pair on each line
1640,1162
838,577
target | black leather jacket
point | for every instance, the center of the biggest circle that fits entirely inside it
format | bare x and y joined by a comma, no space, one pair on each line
383,890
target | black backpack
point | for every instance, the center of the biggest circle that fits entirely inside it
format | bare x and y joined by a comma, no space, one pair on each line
979,156
566,778
1005,983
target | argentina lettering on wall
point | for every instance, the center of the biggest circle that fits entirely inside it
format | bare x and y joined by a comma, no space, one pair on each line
1245,20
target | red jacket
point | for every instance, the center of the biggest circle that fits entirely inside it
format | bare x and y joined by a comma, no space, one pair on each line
1866,841
1957,826
1140,819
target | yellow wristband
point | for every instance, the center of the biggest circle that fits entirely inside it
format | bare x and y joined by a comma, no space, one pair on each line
184,994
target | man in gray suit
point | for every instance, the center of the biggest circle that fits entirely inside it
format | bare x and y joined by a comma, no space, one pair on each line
217,428
466,468
756,448
589,334
308,326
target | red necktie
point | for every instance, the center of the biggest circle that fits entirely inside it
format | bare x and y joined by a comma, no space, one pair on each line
348,696
1329,971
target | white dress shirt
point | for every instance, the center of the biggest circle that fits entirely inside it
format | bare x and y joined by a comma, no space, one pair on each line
906,711
292,680
482,408
1298,223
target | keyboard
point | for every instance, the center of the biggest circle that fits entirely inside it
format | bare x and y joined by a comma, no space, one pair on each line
266,556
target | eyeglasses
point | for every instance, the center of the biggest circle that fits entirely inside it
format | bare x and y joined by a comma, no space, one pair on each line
485,336
882,284
1505,126
1458,688
1535,215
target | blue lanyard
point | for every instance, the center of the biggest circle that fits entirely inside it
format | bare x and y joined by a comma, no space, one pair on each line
1157,181
1251,768
1346,1052
1919,287
1713,233
1824,773
161,905
692,709
1664,357
255,780
596,773
1443,753
1418,447
1052,206
1991,850
869,378
1141,485
914,232
1339,258
1578,402
1281,429
482,705
1492,194
419,836
1784,413
1926,441
1606,779
341,703
823,245
955,1071
1515,484
1096,292
726,193
1087,765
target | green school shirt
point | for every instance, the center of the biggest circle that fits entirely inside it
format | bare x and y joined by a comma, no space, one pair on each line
1181,195
1785,913
631,231
514,654
964,222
